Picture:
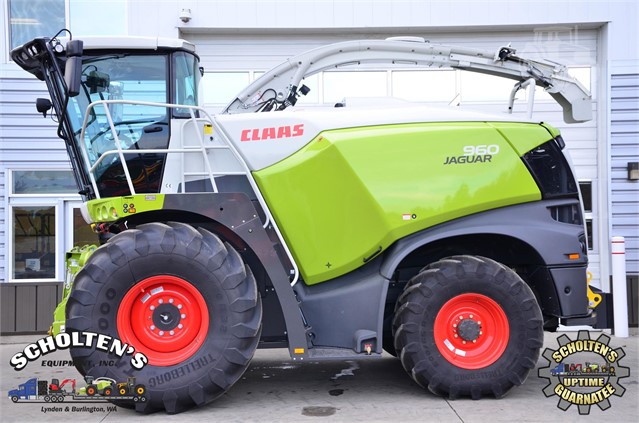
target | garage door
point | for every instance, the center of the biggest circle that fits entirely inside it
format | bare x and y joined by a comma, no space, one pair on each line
231,61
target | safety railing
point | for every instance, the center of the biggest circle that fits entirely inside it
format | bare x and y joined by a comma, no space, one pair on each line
203,149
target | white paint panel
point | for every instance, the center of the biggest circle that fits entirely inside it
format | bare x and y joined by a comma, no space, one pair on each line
255,135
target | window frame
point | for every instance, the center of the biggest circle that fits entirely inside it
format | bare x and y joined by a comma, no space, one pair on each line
35,202
592,215
57,201
7,29
10,179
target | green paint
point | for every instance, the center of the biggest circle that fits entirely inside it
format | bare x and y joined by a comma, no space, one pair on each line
75,260
523,137
112,209
351,191
553,131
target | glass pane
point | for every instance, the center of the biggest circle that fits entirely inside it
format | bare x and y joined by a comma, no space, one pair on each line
480,87
424,85
582,75
34,242
133,77
187,79
44,182
586,195
82,233
222,87
35,18
338,85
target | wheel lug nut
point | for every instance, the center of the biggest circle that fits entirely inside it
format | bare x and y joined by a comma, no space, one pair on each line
464,342
171,300
180,306
180,326
152,307
160,301
474,341
454,325
481,333
183,316
152,327
161,333
461,317
471,316
171,333
456,336
479,322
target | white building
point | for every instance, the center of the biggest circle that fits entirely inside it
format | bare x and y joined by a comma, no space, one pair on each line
239,39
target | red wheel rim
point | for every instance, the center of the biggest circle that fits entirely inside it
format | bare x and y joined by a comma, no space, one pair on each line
471,331
164,317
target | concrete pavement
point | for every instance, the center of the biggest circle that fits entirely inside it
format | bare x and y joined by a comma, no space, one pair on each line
275,389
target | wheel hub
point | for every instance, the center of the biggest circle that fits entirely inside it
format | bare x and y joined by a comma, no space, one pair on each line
164,317
469,329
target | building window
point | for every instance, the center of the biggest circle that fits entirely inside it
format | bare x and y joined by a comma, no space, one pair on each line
421,85
341,84
34,241
44,221
586,196
220,88
29,182
35,18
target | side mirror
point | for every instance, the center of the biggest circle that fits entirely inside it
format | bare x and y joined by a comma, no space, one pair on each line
73,67
43,105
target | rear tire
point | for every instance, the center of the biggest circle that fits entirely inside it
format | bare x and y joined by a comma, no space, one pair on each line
467,326
196,352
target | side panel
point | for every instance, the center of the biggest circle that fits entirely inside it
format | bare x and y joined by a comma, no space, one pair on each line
349,194
563,284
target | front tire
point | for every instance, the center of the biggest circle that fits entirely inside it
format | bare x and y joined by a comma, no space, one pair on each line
467,326
180,296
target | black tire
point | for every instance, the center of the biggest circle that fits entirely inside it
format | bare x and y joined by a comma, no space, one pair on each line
140,390
91,390
47,398
213,269
108,391
14,398
433,293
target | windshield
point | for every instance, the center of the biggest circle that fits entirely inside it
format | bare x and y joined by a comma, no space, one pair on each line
138,128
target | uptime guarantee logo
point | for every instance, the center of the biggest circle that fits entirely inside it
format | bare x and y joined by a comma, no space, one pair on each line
584,372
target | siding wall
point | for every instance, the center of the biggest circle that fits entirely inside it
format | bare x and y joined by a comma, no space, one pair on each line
27,141
624,139
28,307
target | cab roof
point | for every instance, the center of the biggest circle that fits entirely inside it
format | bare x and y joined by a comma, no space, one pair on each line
134,43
